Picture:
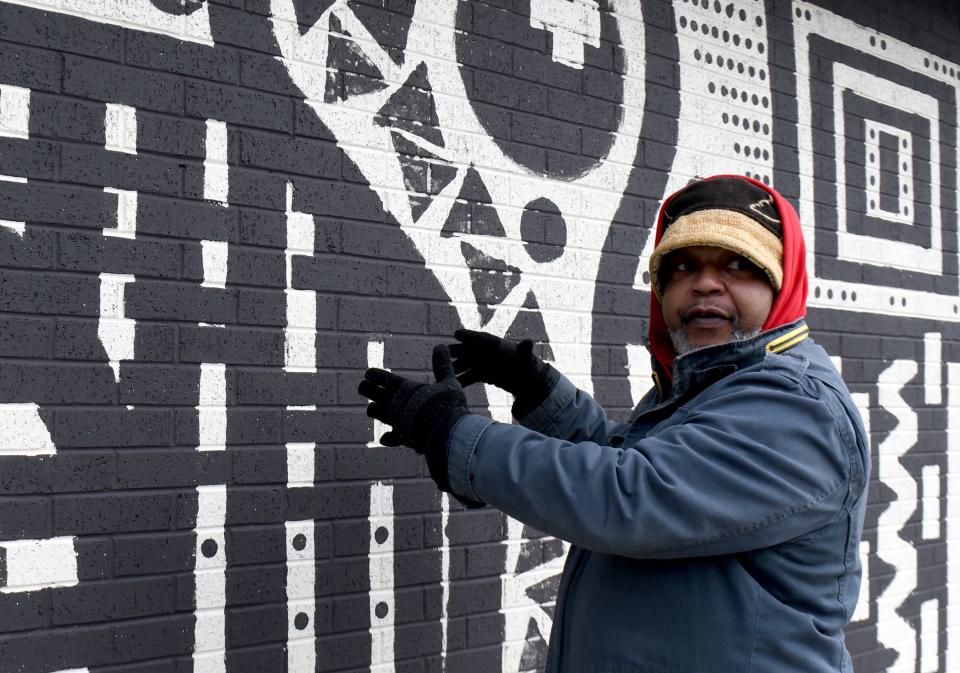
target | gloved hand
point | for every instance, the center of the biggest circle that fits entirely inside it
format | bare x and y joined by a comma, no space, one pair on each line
506,364
422,414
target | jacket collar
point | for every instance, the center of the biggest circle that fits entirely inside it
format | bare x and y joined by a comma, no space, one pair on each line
700,367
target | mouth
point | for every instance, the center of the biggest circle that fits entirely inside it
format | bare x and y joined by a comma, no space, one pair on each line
705,317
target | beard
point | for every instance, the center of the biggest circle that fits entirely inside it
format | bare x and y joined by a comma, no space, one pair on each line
681,344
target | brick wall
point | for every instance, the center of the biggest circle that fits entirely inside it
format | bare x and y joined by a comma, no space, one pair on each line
215,215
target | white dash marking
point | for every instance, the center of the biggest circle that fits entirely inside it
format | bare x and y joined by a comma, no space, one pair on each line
930,502
126,213
930,636
117,333
212,409
14,111
216,175
39,564
120,128
215,255
932,365
300,334
23,432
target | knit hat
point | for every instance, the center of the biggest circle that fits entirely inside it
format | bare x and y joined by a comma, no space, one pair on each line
726,212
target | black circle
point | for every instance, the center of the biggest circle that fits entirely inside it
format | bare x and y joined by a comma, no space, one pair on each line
760,48
873,41
720,61
696,54
766,101
726,36
829,294
798,12
381,535
711,87
736,148
748,43
543,230
816,292
381,610
299,541
694,26
209,548
754,99
704,28
725,117
730,9
743,15
524,137
807,15
736,39
709,57
683,22
714,32
300,621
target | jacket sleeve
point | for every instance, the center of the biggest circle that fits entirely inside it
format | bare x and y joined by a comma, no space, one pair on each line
571,414
761,462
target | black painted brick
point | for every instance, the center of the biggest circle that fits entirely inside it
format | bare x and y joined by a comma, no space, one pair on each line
104,168
152,553
112,600
160,52
119,512
63,33
35,69
25,518
164,468
57,204
108,426
137,87
61,118
28,158
207,100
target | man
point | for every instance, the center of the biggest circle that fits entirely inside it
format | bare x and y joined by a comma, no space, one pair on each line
718,529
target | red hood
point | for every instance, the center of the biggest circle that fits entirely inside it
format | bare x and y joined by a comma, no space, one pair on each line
789,304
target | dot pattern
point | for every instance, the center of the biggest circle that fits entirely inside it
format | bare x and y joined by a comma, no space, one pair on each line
725,46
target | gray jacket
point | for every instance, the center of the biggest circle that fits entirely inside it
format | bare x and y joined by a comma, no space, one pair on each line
717,530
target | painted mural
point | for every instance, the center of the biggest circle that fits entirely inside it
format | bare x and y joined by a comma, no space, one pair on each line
214,216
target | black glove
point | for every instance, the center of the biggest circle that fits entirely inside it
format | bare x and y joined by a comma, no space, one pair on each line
422,414
506,364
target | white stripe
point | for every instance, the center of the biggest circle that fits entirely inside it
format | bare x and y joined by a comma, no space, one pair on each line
210,580
862,612
39,564
953,518
300,334
215,255
382,597
300,464
117,333
932,364
930,502
301,600
216,176
930,636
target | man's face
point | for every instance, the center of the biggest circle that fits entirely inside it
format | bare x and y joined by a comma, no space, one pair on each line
712,295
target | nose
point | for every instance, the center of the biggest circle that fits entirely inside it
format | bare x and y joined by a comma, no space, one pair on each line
708,281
